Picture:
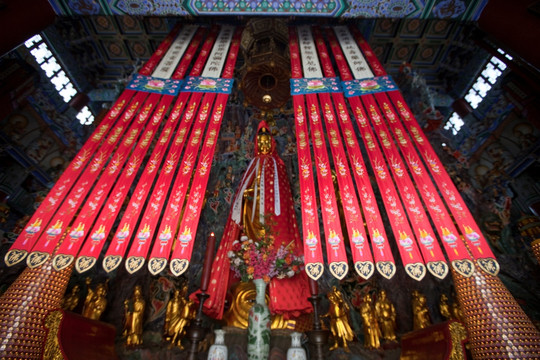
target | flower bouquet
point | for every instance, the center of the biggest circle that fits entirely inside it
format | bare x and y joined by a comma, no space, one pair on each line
261,260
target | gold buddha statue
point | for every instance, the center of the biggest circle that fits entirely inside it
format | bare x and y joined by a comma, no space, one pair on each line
174,308
457,313
338,313
71,300
444,308
180,323
133,320
372,332
421,317
95,302
386,315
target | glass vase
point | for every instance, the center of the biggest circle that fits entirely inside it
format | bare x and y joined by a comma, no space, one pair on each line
218,351
296,351
258,347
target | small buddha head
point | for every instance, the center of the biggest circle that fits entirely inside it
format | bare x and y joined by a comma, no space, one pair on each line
101,290
264,141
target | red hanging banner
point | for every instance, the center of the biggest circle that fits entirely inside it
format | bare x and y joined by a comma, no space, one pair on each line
62,218
335,247
123,234
476,242
184,244
381,250
100,231
47,209
102,227
145,233
69,248
431,251
154,60
410,256
455,249
313,256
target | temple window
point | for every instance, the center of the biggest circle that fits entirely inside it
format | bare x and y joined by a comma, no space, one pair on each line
479,89
58,77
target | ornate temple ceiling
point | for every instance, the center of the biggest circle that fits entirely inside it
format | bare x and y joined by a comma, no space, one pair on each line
422,9
102,51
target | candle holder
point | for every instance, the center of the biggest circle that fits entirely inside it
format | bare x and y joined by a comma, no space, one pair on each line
196,332
317,337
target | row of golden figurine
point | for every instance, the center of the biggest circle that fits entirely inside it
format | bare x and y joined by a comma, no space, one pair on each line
378,314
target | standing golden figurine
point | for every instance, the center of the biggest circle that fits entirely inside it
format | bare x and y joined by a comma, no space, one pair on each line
174,309
133,321
339,319
71,300
179,324
386,314
96,301
372,332
421,318
444,308
457,312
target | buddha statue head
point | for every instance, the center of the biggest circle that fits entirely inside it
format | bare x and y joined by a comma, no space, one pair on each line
264,141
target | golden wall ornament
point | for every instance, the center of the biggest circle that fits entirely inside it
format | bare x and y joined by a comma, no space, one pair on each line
535,246
52,347
458,334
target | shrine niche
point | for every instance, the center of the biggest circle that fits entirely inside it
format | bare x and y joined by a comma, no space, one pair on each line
178,165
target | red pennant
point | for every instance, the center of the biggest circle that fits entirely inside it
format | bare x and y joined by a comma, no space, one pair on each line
62,218
47,209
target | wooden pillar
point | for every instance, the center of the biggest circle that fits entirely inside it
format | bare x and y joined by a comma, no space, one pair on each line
498,328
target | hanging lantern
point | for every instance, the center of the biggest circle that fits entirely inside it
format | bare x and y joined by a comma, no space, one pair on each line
265,74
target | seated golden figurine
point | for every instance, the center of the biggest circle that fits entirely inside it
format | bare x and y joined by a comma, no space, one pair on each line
243,298
338,313
181,322
95,301
71,300
444,308
421,318
133,320
386,315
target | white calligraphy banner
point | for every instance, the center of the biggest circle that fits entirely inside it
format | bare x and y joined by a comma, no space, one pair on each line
308,52
173,56
356,60
218,55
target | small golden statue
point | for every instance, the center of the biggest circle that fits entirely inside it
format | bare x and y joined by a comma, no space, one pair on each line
372,332
457,313
179,314
339,319
421,318
444,308
179,325
133,320
386,314
96,301
71,300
